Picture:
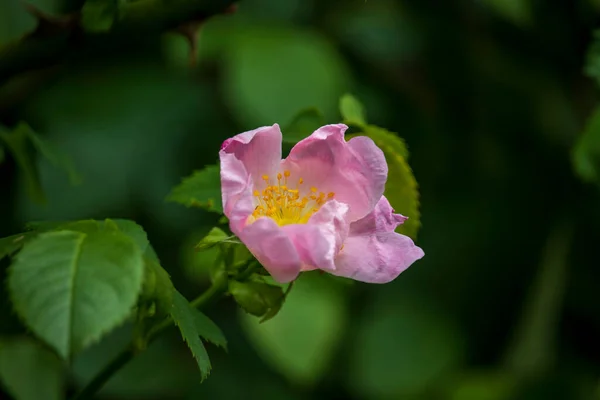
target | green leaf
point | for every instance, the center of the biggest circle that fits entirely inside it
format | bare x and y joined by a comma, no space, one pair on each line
98,15
261,89
257,298
72,287
9,245
53,155
30,371
214,237
184,316
402,346
352,111
302,125
157,285
586,154
201,189
401,188
17,142
208,330
301,341
484,385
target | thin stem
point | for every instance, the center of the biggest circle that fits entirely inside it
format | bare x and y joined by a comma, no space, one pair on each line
216,290
107,372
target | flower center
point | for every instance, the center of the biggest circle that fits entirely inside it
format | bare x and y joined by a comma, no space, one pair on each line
285,205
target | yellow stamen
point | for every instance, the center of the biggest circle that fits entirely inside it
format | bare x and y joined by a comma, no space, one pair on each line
287,205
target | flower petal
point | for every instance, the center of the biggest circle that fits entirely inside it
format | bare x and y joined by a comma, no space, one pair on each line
356,171
272,248
236,191
259,150
319,240
381,219
376,258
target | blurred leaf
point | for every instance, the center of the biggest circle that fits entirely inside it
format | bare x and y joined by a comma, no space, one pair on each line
303,124
534,347
262,89
352,111
214,237
201,189
403,345
401,188
98,15
184,316
72,287
301,341
11,244
257,298
519,12
29,371
208,330
586,154
481,385
17,142
55,156
592,62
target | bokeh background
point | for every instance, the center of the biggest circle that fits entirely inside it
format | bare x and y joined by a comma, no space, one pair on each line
490,97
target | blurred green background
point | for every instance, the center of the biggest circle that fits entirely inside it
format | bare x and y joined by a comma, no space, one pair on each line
490,96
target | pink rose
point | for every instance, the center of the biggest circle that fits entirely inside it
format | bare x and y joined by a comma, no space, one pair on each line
320,208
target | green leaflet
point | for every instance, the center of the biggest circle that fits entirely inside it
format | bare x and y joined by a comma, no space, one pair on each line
201,189
71,287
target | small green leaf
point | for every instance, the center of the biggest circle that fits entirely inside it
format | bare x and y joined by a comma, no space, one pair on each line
17,142
586,154
208,330
184,316
352,111
201,189
401,188
157,285
302,125
257,298
72,287
52,154
214,237
30,371
303,338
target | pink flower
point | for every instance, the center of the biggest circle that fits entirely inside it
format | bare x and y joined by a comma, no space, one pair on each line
320,208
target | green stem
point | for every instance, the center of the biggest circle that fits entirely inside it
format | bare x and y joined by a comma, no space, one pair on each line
107,372
216,290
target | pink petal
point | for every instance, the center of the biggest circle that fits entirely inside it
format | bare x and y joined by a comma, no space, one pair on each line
272,247
236,191
376,258
382,218
259,151
319,240
356,171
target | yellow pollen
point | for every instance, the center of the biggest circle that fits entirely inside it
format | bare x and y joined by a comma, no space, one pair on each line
287,205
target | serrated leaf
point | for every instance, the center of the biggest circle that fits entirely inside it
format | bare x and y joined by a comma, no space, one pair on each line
29,371
586,154
208,330
201,189
17,142
184,317
401,188
302,125
301,341
352,111
72,287
52,154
